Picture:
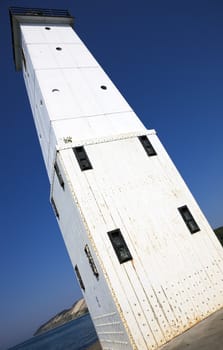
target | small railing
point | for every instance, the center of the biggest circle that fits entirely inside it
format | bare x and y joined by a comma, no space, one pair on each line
26,11
34,15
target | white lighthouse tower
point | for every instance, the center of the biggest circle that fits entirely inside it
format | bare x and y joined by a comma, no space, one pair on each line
148,263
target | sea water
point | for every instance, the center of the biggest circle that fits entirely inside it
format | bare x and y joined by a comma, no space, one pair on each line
78,334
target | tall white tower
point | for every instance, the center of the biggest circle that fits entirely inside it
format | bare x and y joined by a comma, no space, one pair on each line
147,261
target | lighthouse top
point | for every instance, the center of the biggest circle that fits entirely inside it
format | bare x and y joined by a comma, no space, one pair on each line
27,15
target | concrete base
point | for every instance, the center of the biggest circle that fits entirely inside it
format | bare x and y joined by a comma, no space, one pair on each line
206,335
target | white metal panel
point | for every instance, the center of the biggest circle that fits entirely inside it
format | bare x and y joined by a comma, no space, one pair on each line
42,123
123,204
30,92
43,134
134,192
83,193
110,99
29,79
96,126
47,56
115,124
117,286
80,93
76,235
28,74
42,113
37,33
51,153
121,281
62,100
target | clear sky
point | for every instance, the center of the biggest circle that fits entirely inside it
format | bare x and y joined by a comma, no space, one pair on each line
166,57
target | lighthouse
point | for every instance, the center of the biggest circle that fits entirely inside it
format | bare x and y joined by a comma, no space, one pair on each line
147,261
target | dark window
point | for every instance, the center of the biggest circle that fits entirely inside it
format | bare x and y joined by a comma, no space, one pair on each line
24,59
55,208
57,170
188,219
82,158
79,278
119,246
147,145
91,261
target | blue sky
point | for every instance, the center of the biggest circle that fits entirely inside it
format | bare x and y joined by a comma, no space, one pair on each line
166,57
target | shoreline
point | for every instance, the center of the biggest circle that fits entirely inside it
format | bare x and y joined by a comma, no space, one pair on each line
95,346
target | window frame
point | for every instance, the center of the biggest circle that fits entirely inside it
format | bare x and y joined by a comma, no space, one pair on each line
59,175
147,145
80,280
82,158
56,212
188,219
91,261
24,59
122,245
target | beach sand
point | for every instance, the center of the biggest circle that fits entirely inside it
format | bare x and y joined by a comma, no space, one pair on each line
95,346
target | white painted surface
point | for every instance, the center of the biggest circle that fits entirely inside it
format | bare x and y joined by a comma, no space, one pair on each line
175,277
66,87
76,235
170,284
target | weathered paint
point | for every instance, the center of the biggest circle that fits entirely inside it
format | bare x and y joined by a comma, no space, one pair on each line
175,277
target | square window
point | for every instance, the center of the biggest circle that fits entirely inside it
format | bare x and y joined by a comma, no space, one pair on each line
59,176
55,208
119,246
82,158
79,277
188,219
91,261
147,146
